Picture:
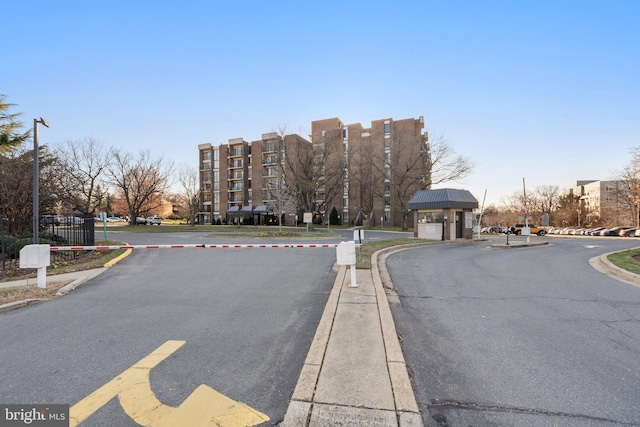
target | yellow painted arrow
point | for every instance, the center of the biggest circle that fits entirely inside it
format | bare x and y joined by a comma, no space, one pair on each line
204,407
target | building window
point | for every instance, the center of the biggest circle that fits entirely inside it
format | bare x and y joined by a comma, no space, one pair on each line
430,217
387,127
387,143
345,133
206,155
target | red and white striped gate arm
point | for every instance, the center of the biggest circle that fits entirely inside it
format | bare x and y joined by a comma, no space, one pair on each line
201,246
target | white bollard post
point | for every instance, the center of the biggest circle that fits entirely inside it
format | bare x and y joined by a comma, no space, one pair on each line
42,277
353,283
346,255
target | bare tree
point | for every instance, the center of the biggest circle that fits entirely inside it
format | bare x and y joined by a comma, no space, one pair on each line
547,199
142,180
276,182
364,179
82,167
410,167
628,191
446,166
404,168
305,164
16,192
190,196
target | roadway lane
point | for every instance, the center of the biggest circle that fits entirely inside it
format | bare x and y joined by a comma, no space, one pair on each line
526,337
247,317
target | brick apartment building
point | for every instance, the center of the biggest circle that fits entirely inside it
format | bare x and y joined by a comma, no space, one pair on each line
367,174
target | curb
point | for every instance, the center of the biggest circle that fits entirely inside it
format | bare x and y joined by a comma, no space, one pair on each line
19,304
79,281
118,258
604,266
403,396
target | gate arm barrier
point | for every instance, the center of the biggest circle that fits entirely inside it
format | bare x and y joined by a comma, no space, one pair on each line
201,246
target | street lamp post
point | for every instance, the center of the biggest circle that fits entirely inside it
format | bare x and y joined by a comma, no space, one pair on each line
36,176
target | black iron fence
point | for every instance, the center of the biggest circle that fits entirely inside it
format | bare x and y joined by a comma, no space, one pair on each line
59,230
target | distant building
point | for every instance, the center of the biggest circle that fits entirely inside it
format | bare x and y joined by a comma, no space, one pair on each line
602,203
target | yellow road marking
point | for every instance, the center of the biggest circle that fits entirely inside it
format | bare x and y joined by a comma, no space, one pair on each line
204,407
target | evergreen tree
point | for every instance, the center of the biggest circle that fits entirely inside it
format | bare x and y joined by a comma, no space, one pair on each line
10,137
333,217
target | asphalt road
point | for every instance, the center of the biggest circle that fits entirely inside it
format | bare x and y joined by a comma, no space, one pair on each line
521,337
247,318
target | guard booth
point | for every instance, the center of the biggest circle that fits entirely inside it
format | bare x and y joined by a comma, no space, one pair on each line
443,214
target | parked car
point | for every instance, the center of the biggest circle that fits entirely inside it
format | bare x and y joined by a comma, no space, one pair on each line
114,219
141,221
71,220
594,231
614,231
629,232
623,230
154,220
50,220
517,229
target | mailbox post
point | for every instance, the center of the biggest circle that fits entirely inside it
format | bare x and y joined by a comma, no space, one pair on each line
37,256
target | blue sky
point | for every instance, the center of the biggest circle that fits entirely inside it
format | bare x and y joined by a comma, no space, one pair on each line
548,91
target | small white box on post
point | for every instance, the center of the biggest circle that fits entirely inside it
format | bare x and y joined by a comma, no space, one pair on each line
346,255
37,256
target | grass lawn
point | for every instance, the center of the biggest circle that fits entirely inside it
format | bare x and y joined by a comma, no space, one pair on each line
628,260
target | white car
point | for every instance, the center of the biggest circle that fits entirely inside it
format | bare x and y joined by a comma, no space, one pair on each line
154,220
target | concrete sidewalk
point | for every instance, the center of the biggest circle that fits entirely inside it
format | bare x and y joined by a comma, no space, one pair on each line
355,372
75,279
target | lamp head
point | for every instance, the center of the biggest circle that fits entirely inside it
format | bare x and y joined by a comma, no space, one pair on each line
43,122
